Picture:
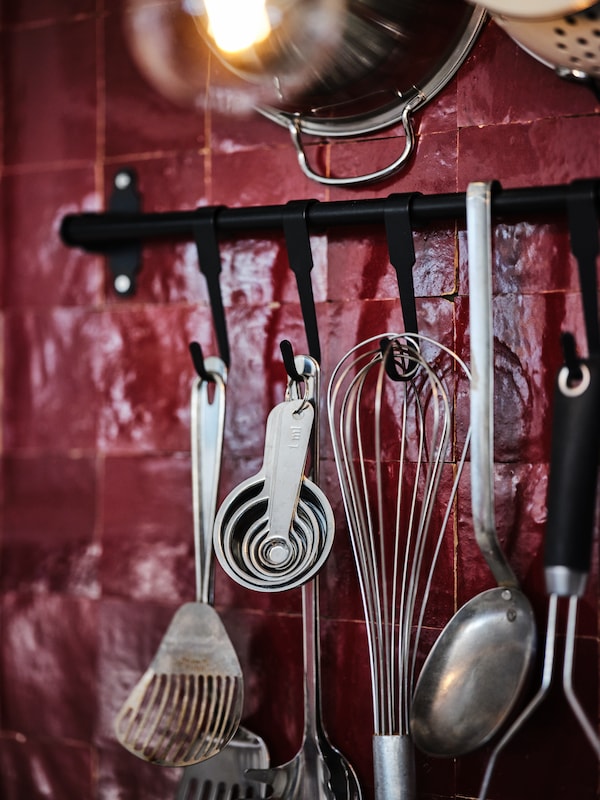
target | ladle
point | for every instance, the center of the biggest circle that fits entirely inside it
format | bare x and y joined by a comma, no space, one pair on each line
475,673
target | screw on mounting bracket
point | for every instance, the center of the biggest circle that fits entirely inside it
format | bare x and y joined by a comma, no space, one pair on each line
124,258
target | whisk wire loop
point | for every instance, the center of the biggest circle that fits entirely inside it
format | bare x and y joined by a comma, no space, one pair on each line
391,443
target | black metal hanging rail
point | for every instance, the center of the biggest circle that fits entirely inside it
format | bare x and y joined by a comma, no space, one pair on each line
99,232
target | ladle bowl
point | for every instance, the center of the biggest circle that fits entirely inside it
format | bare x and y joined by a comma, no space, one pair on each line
474,675
490,635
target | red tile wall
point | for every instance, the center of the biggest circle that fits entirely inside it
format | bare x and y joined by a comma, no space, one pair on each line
95,543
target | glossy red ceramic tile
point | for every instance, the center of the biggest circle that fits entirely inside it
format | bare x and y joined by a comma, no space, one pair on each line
45,272
50,110
345,663
96,547
244,128
439,113
45,11
118,771
147,541
502,83
49,665
431,168
50,362
258,379
260,177
529,154
49,522
523,390
38,768
360,269
138,118
145,375
529,257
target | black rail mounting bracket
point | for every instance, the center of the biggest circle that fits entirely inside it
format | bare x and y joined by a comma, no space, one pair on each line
124,258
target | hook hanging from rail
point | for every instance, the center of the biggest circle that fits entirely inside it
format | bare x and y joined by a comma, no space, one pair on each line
401,247
198,362
209,257
289,360
297,240
571,357
582,214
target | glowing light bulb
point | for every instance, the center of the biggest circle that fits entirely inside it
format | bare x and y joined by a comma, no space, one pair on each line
236,25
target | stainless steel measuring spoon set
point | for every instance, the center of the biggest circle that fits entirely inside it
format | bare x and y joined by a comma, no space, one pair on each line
275,530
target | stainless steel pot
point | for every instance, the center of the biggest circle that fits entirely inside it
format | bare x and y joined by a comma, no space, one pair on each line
413,56
330,68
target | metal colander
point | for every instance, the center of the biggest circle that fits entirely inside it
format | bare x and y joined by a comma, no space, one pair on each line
568,44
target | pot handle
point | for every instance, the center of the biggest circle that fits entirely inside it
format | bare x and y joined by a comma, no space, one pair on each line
295,129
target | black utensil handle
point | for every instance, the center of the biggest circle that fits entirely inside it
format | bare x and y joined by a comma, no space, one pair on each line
573,480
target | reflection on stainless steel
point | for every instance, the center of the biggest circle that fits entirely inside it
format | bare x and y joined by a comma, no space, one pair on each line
491,641
188,703
275,530
319,771
391,440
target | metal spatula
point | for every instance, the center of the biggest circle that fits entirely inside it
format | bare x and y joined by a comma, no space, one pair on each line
188,704
223,777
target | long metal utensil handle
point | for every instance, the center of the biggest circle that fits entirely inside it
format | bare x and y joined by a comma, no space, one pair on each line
207,428
573,480
479,241
308,368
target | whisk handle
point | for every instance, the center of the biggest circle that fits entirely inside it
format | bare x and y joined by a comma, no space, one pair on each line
394,767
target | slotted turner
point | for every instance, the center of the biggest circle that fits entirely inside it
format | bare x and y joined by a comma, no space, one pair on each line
223,777
188,704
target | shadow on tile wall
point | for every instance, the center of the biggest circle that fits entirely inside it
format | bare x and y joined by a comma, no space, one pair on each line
96,539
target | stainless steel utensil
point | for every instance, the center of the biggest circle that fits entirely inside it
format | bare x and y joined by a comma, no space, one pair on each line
476,670
330,68
569,534
188,704
223,776
391,439
567,43
535,9
319,771
275,530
